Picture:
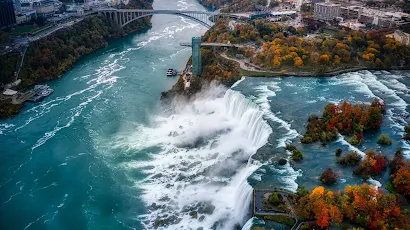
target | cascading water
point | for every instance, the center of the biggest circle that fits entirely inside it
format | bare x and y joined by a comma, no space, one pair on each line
199,177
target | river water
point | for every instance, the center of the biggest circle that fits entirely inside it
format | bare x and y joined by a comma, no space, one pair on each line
101,153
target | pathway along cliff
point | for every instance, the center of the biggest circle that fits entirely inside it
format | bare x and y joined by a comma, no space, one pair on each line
101,153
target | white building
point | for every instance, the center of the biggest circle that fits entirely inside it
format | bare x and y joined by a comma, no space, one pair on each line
326,11
400,36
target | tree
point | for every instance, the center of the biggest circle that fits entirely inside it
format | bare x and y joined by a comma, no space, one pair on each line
401,180
324,59
336,60
328,177
298,63
384,139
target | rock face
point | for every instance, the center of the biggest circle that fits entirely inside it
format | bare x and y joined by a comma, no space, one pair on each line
282,161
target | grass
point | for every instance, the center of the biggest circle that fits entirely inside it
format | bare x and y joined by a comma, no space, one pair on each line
26,29
289,221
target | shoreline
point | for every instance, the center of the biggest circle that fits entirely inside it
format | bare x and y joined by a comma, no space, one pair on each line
9,107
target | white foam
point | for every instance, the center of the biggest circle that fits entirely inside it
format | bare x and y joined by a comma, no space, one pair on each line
238,82
342,141
264,93
248,224
288,176
374,182
213,171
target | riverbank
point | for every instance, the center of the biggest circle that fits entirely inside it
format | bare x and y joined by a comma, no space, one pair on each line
250,72
49,57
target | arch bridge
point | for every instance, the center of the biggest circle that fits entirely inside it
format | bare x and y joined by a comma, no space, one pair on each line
125,16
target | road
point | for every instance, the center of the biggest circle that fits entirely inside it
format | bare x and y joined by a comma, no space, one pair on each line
54,29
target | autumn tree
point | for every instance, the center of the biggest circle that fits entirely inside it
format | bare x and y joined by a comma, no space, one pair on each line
298,63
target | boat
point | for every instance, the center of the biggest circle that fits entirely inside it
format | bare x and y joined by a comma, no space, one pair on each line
40,92
171,72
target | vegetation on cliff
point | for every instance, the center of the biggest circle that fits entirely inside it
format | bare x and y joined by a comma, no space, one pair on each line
49,57
7,109
346,119
233,5
8,64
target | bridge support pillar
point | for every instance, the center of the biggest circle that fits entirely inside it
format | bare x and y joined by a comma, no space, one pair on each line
196,56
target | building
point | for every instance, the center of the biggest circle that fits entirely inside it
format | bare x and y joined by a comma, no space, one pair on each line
7,15
17,5
326,11
25,16
44,8
369,16
400,36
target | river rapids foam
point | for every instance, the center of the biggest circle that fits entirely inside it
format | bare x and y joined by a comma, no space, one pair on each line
198,178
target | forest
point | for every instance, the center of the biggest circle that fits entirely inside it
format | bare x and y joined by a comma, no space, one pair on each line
363,205
49,57
285,48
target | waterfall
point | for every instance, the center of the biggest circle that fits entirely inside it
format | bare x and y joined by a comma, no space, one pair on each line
248,224
227,130
251,119
250,116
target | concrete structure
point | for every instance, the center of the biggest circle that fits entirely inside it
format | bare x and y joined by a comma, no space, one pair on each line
9,92
7,15
17,5
21,18
44,8
326,11
196,56
400,36
125,16
375,17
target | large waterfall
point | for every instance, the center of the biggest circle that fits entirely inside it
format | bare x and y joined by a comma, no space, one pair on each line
199,177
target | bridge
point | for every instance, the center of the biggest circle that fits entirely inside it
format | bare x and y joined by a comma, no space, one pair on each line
125,16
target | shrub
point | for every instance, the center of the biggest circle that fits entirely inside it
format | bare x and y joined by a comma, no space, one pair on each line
354,141
289,221
301,192
351,158
297,155
398,161
384,139
274,198
372,165
339,152
328,177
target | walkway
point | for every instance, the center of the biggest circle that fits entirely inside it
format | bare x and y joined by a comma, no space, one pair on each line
246,65
258,206
215,44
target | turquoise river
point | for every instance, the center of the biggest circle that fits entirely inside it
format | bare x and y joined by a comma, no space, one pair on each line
102,152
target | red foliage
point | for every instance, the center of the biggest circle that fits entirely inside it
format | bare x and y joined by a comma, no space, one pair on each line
380,164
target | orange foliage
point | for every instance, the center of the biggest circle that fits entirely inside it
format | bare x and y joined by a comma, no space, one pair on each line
402,180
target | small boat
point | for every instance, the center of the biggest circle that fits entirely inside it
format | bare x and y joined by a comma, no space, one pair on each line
171,72
41,92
